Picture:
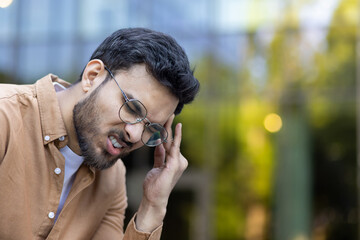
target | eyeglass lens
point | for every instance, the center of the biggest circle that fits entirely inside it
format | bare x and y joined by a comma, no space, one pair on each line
132,111
154,134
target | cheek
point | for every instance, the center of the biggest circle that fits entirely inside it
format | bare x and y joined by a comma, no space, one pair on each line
110,99
109,112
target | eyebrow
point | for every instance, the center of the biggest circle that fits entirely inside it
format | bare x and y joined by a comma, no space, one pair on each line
129,95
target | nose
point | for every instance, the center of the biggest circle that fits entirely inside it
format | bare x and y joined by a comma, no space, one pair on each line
134,132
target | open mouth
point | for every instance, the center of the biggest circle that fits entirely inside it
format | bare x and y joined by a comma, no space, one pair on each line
115,142
114,145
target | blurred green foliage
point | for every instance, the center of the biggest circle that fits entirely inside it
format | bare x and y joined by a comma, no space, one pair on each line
228,139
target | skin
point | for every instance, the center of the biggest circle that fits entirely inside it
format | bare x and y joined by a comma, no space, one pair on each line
160,103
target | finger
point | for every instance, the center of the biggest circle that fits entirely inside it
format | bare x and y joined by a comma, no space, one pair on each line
159,156
168,128
178,135
175,146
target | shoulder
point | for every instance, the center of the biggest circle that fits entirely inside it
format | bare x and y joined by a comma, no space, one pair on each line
17,104
16,98
118,171
8,91
14,101
112,179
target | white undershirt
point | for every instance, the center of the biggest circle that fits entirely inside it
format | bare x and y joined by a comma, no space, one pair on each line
72,164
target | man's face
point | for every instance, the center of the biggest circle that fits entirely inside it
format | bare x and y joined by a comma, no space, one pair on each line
103,137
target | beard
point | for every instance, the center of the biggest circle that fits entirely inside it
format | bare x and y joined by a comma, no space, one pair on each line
87,119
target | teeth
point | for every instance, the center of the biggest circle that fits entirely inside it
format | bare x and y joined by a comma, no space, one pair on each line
115,142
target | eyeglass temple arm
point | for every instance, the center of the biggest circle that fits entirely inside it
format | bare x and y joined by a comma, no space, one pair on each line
112,76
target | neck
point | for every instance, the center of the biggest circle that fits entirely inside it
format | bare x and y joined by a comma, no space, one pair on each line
67,99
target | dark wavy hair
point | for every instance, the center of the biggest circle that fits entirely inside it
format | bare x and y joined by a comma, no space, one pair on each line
164,58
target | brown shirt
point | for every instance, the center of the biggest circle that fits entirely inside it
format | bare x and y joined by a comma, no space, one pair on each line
31,133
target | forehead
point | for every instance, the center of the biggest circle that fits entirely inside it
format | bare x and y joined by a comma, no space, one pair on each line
139,84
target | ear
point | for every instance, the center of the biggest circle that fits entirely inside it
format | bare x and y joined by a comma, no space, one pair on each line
92,74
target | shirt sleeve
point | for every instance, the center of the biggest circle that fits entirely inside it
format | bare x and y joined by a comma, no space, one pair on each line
112,224
132,233
107,230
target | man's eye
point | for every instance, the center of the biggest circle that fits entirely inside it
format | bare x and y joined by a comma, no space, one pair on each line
134,107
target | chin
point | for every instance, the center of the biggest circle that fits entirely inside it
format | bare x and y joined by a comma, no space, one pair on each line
100,163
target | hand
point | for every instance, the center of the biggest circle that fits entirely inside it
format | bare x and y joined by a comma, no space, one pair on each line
169,164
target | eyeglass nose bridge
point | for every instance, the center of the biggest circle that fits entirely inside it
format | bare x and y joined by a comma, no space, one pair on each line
139,120
146,127
146,122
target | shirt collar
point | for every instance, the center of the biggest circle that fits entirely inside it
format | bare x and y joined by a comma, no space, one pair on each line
52,124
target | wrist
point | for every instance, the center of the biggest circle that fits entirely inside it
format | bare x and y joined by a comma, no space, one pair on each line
149,216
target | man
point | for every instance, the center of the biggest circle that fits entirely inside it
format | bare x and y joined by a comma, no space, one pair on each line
60,177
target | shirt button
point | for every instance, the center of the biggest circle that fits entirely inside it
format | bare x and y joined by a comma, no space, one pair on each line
62,138
47,138
57,171
51,215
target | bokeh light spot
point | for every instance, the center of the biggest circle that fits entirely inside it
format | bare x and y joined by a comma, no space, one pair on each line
272,122
5,3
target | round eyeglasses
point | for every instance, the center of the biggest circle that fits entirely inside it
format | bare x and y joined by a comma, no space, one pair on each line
133,111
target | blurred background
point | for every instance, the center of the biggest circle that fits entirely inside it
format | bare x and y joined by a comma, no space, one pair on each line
272,139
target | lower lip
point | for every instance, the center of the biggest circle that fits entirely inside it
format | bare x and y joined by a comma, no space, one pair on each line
111,149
